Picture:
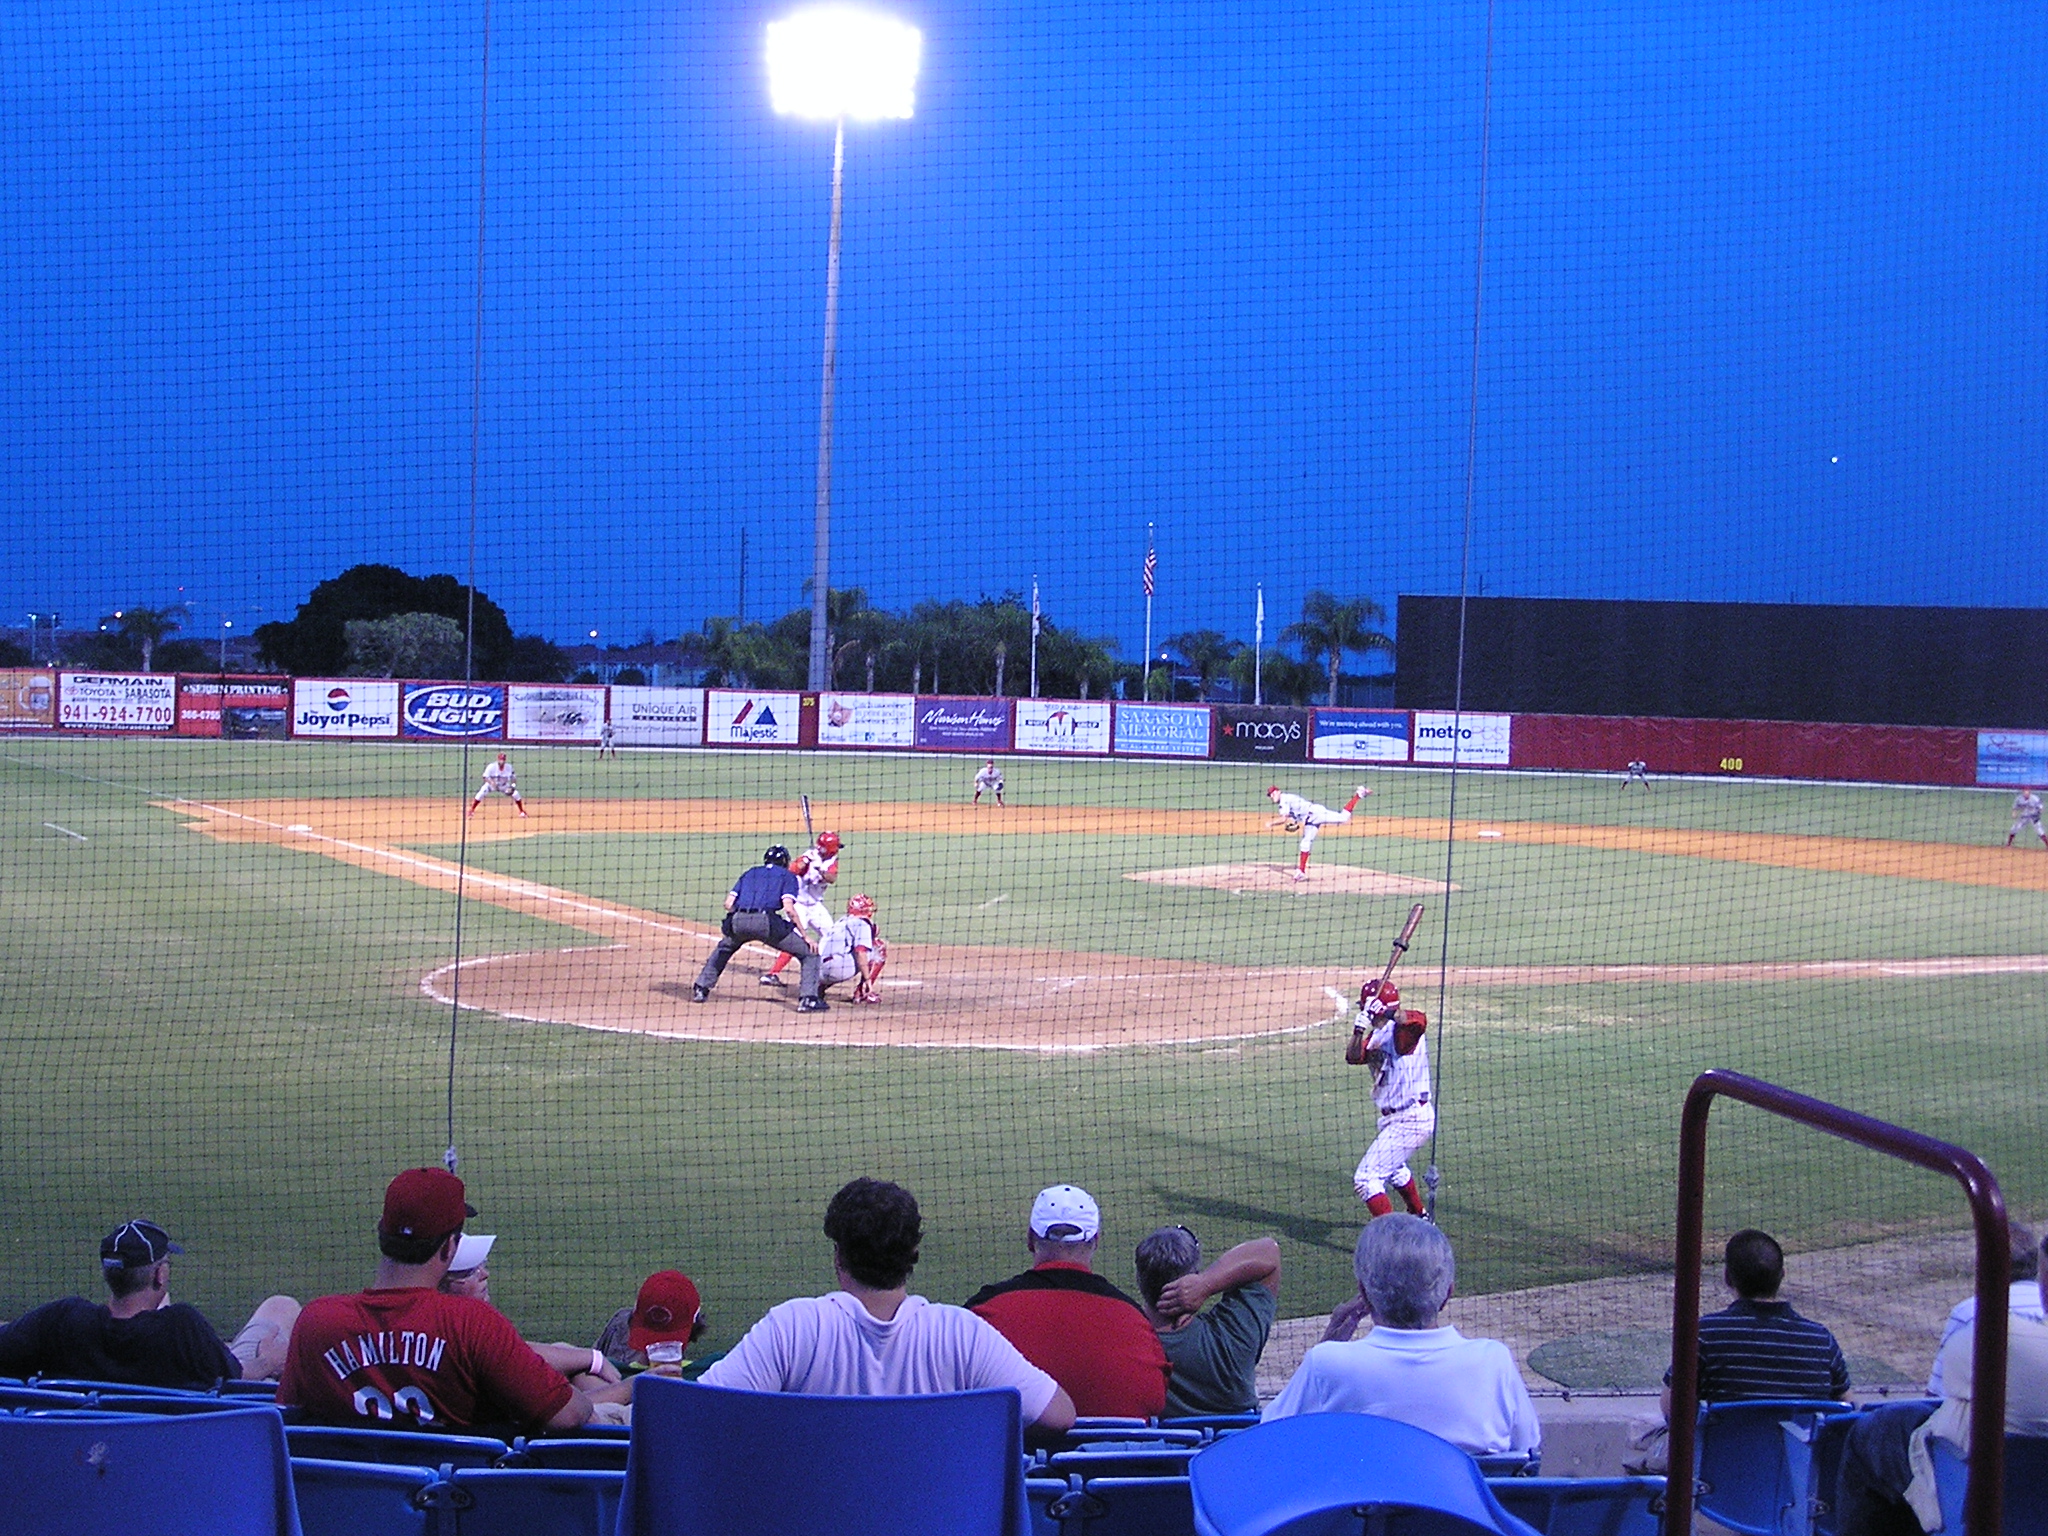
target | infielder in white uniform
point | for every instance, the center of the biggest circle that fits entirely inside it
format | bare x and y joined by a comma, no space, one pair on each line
499,779
815,869
2026,817
1388,1039
988,782
853,951
1638,773
1309,817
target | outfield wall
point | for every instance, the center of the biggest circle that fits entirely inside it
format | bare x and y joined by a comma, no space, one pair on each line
575,714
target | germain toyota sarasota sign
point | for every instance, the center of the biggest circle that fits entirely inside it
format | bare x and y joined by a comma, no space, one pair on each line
454,711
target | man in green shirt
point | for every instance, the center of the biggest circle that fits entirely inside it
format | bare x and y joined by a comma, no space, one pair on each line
1215,1353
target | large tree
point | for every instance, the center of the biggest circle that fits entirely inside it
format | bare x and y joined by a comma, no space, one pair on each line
315,643
1208,651
1330,627
404,645
143,628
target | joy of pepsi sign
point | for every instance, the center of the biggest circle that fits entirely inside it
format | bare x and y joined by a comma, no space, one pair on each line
454,711
340,707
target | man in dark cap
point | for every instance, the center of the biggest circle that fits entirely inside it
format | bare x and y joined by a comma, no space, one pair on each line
761,909
404,1354
140,1336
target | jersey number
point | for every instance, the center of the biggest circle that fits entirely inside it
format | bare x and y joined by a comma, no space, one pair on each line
372,1404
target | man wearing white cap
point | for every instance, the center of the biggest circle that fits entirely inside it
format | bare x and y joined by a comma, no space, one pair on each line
1070,1322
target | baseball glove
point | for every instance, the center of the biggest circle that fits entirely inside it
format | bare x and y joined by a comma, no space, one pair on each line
1293,826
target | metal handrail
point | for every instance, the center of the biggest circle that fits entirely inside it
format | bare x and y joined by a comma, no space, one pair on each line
1983,1503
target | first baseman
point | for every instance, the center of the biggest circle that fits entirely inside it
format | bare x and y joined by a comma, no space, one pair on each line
1388,1038
988,782
499,779
2026,817
1309,818
815,869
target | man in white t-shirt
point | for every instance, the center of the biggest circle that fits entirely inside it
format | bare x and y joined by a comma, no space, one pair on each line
871,1337
1407,1368
2023,1298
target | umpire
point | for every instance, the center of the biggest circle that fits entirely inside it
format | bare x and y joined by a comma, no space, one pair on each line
761,906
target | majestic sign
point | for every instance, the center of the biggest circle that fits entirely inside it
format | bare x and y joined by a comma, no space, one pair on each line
454,711
736,719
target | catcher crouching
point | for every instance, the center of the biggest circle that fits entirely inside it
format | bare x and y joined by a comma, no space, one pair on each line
1389,1039
854,951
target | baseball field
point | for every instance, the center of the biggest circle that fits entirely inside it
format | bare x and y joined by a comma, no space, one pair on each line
232,981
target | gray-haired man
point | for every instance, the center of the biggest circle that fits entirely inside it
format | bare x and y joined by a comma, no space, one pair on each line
1215,1353
1408,1368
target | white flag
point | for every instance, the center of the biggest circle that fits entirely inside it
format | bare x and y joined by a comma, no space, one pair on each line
1259,629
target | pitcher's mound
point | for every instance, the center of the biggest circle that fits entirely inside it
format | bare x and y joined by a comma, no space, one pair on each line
1323,879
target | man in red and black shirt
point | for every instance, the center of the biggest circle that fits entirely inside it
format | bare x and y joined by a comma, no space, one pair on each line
403,1355
1070,1322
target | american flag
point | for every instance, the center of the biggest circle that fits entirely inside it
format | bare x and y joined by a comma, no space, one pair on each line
1151,567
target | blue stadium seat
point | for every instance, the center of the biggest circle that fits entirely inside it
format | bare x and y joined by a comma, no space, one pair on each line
577,1453
92,1385
12,1396
1131,1506
353,1498
213,1474
1585,1506
1122,1458
1755,1464
1311,1475
1212,1421
165,1404
1509,1465
707,1461
1044,1495
262,1391
2026,1485
531,1501
1830,1435
394,1447
1083,1438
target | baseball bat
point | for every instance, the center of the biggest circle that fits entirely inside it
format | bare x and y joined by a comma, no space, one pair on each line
806,799
1400,948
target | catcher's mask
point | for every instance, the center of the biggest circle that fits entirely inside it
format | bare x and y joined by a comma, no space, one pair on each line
828,843
861,906
776,855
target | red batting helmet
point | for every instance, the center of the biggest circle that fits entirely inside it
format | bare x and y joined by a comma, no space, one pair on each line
1378,996
828,843
861,906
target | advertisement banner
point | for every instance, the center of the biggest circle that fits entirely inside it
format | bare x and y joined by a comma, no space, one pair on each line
28,699
867,720
658,717
117,701
1062,725
1257,733
1479,741
1162,730
453,711
346,706
964,725
258,704
1360,736
2014,759
736,719
538,712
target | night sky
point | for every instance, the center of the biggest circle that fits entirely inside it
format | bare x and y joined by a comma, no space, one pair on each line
1765,307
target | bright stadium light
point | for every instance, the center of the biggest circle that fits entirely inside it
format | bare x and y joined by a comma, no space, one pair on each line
829,63
826,64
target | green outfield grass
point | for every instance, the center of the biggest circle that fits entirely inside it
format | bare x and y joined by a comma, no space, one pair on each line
231,1037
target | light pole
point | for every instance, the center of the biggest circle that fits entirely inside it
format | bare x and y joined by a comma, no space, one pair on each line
826,64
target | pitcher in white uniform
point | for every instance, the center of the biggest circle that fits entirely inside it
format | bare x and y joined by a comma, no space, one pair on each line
1309,817
1399,1059
815,870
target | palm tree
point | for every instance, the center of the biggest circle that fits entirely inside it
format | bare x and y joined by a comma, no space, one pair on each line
1330,627
1207,651
146,626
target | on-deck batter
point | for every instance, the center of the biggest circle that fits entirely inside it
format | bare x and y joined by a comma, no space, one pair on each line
499,779
815,869
2026,817
1399,1059
1309,817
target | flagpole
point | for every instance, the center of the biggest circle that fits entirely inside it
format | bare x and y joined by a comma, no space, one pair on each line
1151,562
1259,650
1034,637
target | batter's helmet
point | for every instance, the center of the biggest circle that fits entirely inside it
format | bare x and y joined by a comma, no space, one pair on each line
1386,995
861,906
828,843
776,855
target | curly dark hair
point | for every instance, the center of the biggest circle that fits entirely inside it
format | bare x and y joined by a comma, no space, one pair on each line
876,1228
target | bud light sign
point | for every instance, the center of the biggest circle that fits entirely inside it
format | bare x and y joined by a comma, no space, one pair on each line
453,711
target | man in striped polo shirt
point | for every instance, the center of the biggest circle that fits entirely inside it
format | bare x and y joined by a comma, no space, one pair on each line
1759,1347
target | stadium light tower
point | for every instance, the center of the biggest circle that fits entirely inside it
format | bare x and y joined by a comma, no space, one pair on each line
828,64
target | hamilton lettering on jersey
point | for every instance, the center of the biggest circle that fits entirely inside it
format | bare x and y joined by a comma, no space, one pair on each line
367,1349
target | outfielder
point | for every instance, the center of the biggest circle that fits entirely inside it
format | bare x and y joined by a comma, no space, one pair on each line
1309,818
499,779
988,782
1638,773
853,951
815,869
2026,817
607,745
1388,1038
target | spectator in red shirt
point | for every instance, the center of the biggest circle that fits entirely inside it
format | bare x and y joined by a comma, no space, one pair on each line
1070,1322
403,1354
